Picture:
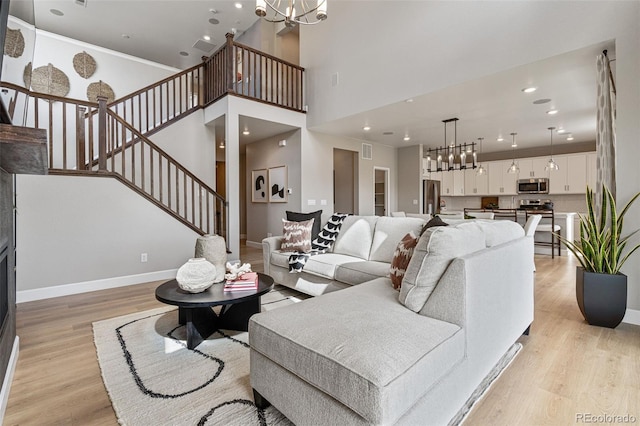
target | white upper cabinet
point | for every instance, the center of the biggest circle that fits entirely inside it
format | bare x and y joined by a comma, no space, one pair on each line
500,181
533,168
475,184
571,176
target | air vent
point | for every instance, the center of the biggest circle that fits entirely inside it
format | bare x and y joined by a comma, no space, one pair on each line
204,46
367,151
387,133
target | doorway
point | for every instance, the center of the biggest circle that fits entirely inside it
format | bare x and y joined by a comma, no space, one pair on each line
381,191
345,181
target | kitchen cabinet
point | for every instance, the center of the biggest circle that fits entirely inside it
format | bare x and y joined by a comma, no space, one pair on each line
452,183
571,176
475,184
501,182
533,168
592,172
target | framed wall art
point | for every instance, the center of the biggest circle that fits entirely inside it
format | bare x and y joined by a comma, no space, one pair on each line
259,186
278,184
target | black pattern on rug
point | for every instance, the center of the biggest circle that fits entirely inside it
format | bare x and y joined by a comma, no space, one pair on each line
260,416
321,244
140,382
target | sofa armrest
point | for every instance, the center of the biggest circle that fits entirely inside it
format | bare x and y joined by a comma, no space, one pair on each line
269,245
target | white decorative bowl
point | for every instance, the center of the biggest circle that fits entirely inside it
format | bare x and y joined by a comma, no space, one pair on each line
196,275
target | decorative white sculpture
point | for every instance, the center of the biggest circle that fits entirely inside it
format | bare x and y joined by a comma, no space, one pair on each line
235,270
214,249
196,275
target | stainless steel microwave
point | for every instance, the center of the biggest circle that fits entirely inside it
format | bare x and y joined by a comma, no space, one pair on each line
533,186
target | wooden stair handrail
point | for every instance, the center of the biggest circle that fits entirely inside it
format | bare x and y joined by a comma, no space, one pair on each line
266,55
45,96
141,137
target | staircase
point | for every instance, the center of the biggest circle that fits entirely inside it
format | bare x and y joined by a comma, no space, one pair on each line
112,140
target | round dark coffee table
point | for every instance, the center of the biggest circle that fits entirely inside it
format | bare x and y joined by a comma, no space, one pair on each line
194,309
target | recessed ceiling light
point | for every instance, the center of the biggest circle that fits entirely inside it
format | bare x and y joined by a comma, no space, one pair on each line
561,131
221,146
500,139
366,128
214,21
238,5
206,37
552,112
56,12
529,89
246,132
406,138
570,137
183,53
409,100
541,101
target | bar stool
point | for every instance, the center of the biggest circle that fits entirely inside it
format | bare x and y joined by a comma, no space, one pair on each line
552,228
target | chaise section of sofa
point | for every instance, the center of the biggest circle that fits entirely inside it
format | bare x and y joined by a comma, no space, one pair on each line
362,252
359,356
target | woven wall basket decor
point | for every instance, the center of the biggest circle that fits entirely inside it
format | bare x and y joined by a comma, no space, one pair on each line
84,64
26,75
100,89
14,43
49,80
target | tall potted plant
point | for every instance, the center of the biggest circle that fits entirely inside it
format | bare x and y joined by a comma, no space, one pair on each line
601,290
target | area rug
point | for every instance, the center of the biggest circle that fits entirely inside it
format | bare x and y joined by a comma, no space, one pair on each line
153,379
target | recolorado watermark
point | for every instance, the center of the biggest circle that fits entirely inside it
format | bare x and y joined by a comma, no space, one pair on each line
605,418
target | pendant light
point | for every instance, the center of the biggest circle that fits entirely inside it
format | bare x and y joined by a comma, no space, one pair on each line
481,170
513,168
551,165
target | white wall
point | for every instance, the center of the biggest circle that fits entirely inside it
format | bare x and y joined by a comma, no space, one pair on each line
317,172
124,73
409,178
192,144
263,218
81,229
446,43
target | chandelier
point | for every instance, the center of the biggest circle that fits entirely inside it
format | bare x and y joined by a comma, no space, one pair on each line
513,168
452,156
292,12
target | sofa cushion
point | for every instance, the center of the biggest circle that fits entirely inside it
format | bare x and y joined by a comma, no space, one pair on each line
424,216
356,236
388,233
301,217
358,272
500,231
325,265
379,371
401,258
436,249
297,236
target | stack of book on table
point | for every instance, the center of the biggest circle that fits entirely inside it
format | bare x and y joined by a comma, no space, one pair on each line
246,281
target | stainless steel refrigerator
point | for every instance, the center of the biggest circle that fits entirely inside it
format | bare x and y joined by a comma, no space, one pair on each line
431,196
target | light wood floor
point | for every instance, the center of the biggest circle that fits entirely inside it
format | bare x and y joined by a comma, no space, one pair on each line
566,366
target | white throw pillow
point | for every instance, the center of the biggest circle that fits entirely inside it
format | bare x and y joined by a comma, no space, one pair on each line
437,247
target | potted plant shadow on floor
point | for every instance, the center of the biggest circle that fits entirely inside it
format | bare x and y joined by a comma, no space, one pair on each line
601,290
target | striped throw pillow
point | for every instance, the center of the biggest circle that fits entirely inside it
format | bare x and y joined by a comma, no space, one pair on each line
297,236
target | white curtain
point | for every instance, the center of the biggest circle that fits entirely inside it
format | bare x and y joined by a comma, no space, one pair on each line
606,130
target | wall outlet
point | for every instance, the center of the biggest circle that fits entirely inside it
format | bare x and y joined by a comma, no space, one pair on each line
415,202
311,202
269,234
323,202
143,257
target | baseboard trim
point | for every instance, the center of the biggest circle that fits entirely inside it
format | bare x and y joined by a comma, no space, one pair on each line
253,244
84,287
632,316
8,377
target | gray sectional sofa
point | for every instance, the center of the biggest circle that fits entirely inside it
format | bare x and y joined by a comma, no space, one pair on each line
362,252
370,355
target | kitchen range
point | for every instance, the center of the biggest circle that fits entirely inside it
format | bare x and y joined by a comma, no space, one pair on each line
536,204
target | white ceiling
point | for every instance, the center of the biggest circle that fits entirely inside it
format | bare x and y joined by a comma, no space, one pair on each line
493,106
158,30
487,107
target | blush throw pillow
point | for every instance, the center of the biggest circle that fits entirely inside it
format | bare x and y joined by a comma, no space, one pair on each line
297,236
301,217
401,258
